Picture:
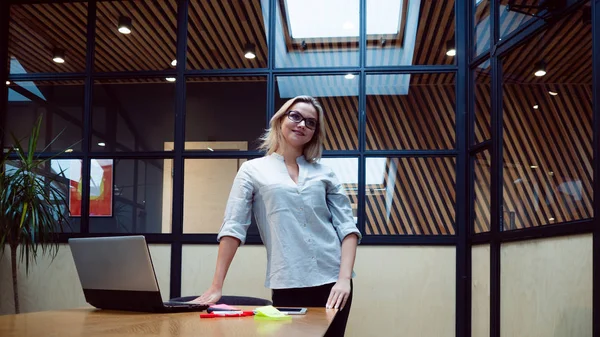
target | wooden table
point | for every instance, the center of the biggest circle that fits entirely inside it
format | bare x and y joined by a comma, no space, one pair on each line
92,322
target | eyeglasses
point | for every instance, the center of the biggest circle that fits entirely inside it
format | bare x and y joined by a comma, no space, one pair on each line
297,117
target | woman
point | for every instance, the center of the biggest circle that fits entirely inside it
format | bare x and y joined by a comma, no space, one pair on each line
303,216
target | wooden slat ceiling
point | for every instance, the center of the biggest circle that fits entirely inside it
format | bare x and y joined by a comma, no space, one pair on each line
217,34
567,49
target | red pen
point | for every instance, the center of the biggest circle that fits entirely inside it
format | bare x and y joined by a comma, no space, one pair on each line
227,314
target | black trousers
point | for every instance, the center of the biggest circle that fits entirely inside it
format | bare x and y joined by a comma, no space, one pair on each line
315,297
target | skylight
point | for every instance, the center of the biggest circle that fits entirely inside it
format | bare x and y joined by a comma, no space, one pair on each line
13,96
340,18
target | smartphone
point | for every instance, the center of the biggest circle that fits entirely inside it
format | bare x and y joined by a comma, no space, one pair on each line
293,311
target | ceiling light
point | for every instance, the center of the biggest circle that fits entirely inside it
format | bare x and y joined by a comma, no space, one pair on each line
533,166
540,69
58,55
69,150
450,49
124,25
170,79
536,106
249,51
174,63
7,82
349,76
550,219
101,144
551,173
553,93
210,149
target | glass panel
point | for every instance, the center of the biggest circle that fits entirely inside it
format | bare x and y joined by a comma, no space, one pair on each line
60,105
131,115
483,26
135,35
483,102
547,125
346,171
410,196
47,38
481,190
216,120
57,172
115,187
204,208
518,14
402,32
338,95
408,112
314,33
227,34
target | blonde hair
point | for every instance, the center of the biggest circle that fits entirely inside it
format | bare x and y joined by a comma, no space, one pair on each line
273,138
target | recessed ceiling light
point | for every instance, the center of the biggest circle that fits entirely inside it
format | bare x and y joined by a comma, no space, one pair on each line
550,219
551,173
7,82
58,55
536,106
69,150
174,63
250,51
540,69
170,79
349,76
533,166
101,144
450,48
125,25
553,93
210,149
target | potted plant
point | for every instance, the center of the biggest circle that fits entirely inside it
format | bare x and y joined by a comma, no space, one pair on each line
31,206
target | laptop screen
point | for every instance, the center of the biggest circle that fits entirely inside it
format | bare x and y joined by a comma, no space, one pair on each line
114,263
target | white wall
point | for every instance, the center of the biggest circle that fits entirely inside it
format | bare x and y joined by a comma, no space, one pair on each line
480,291
546,287
54,284
410,289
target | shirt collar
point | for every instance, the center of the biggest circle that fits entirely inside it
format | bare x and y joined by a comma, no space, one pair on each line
299,160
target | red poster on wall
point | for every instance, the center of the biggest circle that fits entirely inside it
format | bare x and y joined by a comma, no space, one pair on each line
101,188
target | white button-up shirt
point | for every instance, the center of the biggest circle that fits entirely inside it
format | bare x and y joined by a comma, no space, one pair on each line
301,225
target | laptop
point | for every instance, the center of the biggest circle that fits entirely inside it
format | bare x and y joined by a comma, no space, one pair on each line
116,273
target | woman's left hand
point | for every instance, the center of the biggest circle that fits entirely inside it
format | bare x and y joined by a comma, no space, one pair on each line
339,294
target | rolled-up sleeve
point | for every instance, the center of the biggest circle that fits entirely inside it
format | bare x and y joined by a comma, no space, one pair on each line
341,209
238,212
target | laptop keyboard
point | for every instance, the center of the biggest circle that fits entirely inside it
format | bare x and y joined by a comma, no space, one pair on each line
183,305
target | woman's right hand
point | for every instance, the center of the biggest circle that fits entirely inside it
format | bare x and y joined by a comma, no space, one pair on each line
210,296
